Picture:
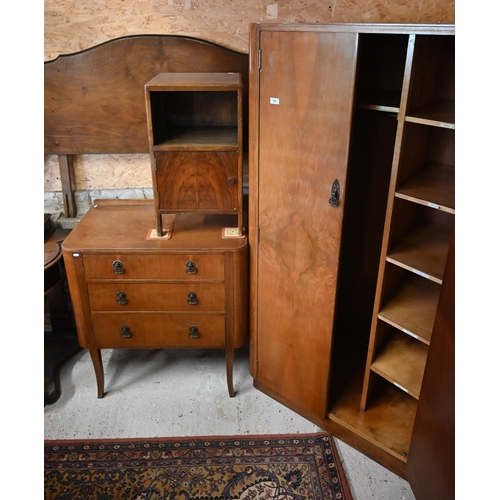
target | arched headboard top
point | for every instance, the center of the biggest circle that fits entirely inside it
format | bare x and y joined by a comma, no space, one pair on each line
94,99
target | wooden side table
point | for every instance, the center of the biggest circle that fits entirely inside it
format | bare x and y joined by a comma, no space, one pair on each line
132,289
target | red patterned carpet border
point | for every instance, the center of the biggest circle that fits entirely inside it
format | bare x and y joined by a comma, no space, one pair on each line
279,467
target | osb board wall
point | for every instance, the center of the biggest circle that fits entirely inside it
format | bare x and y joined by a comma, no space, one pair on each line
74,25
102,172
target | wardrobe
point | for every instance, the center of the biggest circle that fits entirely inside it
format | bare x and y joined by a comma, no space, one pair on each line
351,233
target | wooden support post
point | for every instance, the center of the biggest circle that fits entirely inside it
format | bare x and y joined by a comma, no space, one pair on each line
68,184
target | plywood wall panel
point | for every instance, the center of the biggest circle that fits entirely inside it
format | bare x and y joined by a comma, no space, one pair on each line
102,172
75,25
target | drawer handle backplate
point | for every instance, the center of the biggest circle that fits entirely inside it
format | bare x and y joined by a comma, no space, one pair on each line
192,299
193,332
117,267
126,332
190,267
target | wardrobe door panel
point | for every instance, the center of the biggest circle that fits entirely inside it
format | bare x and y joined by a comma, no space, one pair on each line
306,97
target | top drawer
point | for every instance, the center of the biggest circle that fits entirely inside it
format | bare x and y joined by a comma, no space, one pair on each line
136,266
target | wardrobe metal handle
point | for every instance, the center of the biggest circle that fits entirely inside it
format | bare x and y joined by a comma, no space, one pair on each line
193,332
334,199
192,298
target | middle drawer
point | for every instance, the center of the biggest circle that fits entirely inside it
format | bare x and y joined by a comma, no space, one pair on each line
156,297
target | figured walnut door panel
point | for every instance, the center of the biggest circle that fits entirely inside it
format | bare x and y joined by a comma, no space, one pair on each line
306,99
197,180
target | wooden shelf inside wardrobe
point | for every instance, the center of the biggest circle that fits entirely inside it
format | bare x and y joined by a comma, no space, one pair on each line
389,419
402,362
423,249
381,67
439,113
433,185
380,100
412,307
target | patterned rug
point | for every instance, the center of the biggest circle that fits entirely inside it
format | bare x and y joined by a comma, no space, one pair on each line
281,467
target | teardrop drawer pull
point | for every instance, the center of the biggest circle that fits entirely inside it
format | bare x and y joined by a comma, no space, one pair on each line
126,332
117,267
192,299
193,332
121,298
190,267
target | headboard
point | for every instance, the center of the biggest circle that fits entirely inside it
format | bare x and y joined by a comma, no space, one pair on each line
94,99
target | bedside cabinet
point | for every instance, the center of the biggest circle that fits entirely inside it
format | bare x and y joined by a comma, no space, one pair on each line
128,291
195,130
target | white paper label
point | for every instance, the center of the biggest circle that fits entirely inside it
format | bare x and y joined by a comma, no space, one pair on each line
274,100
411,334
76,255
420,273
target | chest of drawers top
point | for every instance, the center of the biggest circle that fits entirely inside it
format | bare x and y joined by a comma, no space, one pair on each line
124,226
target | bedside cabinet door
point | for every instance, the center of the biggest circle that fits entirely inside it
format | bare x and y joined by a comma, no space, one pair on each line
197,180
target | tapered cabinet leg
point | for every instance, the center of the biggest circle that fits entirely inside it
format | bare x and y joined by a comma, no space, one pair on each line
95,355
159,225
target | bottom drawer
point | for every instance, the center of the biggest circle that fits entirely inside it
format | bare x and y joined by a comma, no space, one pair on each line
159,330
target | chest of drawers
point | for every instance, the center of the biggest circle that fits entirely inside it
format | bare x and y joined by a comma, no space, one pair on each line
128,291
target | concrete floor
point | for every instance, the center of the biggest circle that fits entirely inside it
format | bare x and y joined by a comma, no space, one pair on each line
155,393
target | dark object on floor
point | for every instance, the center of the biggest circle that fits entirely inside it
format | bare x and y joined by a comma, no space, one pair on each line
295,467
60,338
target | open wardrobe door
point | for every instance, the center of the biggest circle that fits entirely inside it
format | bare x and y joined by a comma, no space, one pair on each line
431,457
